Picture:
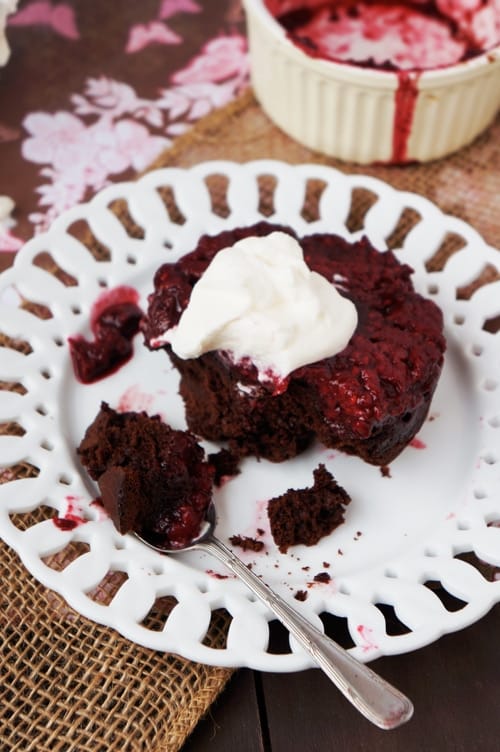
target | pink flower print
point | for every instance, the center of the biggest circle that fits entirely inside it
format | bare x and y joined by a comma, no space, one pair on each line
61,18
105,96
137,145
81,157
195,100
221,58
52,137
169,8
110,98
106,148
62,193
142,35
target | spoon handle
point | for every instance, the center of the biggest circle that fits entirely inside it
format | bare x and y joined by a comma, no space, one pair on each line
377,700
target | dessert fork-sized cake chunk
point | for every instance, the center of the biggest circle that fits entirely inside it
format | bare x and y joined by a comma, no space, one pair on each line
369,398
152,479
308,514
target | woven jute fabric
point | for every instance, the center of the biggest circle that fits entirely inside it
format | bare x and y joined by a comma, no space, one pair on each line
465,184
68,684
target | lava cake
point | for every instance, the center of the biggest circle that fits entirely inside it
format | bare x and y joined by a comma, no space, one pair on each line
368,400
153,480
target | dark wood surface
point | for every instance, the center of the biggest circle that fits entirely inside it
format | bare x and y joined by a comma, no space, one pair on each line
454,685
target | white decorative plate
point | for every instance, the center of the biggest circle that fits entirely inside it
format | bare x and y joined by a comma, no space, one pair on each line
402,534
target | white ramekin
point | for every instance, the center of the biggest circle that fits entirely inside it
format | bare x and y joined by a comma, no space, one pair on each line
348,112
6,8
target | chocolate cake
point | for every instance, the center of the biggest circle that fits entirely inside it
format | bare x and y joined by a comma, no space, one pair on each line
307,515
225,464
369,400
152,479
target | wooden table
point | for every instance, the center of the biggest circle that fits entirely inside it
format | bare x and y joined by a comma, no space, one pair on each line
455,682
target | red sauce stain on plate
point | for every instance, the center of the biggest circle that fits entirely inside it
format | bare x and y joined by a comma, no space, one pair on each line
72,517
133,400
114,321
364,633
418,444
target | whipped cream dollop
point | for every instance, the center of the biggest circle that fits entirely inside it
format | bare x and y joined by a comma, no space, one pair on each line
259,300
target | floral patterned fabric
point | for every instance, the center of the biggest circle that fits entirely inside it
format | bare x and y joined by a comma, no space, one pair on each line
94,92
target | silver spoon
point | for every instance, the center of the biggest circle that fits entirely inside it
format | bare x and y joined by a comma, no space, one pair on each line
377,700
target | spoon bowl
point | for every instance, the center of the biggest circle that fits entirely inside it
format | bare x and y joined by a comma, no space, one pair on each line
378,701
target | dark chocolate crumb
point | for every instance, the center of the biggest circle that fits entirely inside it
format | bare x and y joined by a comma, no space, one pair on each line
300,595
322,577
326,564
385,471
246,543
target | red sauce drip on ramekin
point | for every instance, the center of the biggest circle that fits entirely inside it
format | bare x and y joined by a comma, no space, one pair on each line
405,101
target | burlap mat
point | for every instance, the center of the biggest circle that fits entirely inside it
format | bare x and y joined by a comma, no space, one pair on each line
466,184
69,684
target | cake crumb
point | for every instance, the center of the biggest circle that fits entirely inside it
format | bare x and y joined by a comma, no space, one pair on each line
218,575
322,577
300,595
385,471
326,564
306,515
246,543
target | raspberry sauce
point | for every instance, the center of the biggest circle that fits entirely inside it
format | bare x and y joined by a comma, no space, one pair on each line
114,322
